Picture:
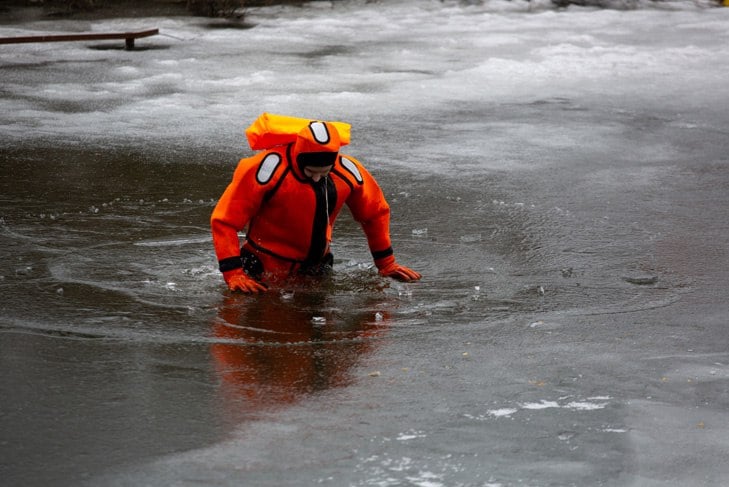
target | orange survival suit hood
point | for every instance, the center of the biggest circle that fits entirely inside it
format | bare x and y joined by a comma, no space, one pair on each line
317,145
313,143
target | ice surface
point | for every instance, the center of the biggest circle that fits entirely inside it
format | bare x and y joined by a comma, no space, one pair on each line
533,159
375,64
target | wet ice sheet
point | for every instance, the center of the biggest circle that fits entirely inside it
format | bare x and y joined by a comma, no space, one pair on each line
432,417
558,177
369,63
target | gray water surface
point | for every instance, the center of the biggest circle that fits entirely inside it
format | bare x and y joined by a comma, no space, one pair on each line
570,327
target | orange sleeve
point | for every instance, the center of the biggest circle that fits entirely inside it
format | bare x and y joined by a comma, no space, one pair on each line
370,209
240,201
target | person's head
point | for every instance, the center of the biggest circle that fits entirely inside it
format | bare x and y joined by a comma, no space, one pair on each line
316,149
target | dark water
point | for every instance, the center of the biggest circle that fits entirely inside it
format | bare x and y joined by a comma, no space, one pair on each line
569,330
571,325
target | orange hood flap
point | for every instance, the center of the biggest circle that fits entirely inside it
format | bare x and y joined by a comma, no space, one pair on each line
270,130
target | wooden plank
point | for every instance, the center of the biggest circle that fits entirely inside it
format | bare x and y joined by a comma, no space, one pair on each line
87,36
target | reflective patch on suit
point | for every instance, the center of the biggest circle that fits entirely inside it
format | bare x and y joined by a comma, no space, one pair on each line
352,168
267,168
320,132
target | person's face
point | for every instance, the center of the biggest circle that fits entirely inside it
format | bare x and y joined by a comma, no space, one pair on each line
316,173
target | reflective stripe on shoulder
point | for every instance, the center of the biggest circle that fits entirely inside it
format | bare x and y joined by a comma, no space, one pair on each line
351,167
268,167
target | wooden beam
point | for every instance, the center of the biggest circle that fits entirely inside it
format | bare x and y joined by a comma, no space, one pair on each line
88,36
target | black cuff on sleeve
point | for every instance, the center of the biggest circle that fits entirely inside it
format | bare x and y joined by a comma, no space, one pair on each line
230,263
381,254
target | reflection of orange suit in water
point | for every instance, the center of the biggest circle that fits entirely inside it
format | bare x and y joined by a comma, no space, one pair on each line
270,352
290,211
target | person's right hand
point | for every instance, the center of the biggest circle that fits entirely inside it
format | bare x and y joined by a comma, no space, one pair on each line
238,280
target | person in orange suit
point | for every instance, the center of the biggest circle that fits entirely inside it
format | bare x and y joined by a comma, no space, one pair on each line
288,196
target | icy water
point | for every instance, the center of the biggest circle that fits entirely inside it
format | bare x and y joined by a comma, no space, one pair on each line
559,178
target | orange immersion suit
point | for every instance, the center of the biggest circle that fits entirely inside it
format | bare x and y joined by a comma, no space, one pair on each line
289,216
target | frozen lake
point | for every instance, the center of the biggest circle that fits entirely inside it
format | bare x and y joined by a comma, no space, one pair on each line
558,177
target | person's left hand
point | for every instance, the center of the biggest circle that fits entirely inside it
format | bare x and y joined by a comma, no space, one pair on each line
399,272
